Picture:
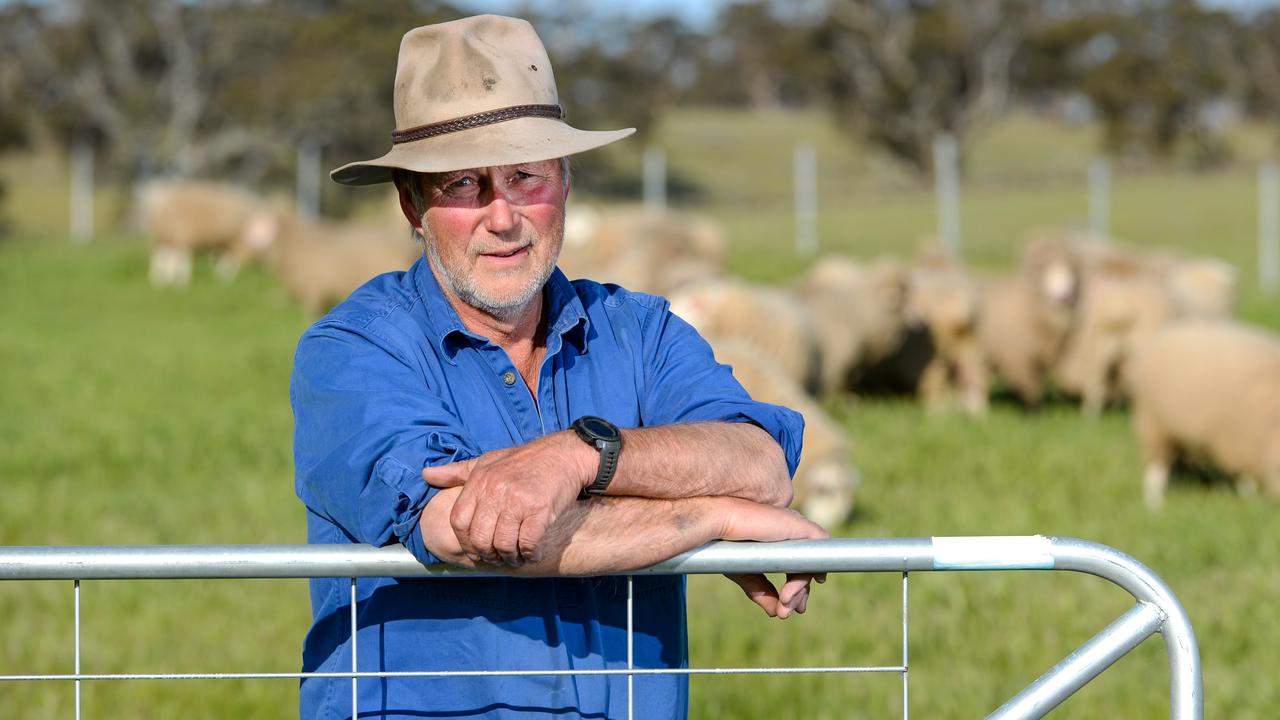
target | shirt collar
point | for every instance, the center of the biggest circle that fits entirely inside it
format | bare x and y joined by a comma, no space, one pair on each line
566,316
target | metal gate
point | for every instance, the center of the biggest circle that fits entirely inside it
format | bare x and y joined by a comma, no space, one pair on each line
1156,610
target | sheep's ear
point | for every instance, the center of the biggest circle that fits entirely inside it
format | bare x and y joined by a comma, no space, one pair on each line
261,231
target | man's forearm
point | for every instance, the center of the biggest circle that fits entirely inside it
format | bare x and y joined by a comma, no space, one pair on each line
595,536
700,460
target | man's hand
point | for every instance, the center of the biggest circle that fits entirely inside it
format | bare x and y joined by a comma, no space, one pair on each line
510,497
745,520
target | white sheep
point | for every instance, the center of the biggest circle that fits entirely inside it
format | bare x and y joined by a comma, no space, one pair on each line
826,481
1210,389
769,318
646,250
940,358
1026,318
1116,312
319,264
857,313
184,217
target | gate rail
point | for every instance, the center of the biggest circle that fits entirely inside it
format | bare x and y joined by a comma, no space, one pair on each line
1157,609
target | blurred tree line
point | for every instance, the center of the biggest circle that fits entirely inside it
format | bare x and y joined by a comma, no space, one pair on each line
231,88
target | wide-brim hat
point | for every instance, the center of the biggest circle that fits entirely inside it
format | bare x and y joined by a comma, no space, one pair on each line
474,92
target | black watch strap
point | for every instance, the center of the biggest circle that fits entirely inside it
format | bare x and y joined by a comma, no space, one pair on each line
605,437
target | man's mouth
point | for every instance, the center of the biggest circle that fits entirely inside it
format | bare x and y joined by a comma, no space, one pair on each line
506,252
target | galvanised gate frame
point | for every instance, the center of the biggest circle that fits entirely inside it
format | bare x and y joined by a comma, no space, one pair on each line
1156,609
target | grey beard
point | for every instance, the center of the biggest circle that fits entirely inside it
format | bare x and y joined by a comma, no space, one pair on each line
505,309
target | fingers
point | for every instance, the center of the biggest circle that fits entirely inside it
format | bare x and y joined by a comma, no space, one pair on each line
506,538
759,590
794,595
532,532
447,476
792,598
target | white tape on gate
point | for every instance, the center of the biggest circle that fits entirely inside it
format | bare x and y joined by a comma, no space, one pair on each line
995,552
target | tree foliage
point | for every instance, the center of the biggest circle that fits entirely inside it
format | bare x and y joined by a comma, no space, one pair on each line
231,88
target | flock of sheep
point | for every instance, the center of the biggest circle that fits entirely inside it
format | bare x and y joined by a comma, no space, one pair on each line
318,263
1085,317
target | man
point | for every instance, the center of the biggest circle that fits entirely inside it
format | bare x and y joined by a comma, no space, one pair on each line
470,409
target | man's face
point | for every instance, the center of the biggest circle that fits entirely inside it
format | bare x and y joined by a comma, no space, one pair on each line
493,234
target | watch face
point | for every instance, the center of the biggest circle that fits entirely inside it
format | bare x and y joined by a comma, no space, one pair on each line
598,427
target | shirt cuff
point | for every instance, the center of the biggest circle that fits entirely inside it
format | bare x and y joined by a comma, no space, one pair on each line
412,495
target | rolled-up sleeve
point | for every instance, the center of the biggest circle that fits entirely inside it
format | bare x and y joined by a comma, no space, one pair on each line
366,424
686,384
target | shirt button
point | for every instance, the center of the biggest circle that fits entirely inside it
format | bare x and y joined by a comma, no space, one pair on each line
509,378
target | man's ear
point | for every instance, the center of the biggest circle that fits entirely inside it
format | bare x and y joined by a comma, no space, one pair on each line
406,202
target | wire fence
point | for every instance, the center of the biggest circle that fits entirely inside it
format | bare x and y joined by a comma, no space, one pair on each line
1157,609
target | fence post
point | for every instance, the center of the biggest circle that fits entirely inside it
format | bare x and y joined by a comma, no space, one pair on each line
1100,197
1268,228
805,169
655,178
308,180
946,174
81,191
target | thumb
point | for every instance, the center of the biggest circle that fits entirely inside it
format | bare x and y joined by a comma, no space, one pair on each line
447,476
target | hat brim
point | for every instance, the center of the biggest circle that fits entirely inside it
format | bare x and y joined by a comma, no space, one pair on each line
506,143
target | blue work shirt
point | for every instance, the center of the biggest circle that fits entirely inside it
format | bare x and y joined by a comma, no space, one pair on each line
390,382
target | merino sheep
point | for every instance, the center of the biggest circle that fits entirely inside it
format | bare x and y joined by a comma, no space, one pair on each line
645,250
1200,287
769,318
939,358
183,217
320,264
1210,390
1026,319
825,483
857,311
1117,311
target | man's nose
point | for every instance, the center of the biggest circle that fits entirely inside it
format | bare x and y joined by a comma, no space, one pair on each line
499,216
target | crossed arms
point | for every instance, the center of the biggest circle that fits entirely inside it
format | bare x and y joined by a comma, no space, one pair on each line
677,487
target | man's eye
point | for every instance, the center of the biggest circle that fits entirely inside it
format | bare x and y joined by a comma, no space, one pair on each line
460,184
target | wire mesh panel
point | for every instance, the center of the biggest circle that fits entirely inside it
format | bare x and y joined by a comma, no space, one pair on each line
1157,610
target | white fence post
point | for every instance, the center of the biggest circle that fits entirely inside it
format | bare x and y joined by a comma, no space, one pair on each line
308,181
1100,197
1268,228
946,173
81,191
805,169
655,178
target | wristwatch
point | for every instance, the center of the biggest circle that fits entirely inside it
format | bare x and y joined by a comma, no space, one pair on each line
605,437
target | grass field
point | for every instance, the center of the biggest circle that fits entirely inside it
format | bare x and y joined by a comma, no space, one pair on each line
130,415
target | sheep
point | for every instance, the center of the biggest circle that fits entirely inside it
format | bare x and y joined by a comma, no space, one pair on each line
319,264
768,317
1116,312
857,311
825,482
182,217
945,302
645,250
1211,390
1131,295
1200,287
939,357
1026,318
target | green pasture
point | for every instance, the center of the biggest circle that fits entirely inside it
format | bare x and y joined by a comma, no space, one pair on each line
130,415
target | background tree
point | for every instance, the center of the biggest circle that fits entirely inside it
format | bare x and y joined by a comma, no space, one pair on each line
1262,62
903,71
1159,75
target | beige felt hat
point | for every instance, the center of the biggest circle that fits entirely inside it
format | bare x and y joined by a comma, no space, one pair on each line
474,92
